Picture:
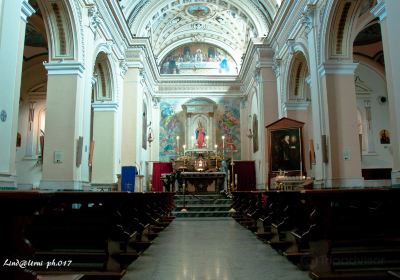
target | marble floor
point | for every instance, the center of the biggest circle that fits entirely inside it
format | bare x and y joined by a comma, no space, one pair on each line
210,249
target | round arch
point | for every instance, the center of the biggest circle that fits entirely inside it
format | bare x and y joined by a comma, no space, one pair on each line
63,23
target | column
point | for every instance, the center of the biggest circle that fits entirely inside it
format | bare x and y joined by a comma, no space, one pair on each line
104,137
344,160
387,11
268,102
131,100
317,99
14,17
64,126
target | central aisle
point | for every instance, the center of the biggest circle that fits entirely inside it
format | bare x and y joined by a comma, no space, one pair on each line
210,249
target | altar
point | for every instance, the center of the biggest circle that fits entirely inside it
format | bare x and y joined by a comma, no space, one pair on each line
203,182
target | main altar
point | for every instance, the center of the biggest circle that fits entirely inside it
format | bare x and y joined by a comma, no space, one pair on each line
199,166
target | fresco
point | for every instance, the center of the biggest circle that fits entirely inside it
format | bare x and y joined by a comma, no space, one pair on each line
199,58
199,11
172,124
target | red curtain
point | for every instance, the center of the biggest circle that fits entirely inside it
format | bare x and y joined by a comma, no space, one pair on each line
246,175
158,169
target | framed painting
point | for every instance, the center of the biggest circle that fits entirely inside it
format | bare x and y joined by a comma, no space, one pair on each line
255,134
286,149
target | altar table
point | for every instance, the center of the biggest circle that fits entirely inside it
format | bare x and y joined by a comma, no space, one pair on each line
201,182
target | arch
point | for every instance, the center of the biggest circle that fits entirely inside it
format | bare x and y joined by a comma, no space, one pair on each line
164,53
262,20
337,29
63,22
104,83
297,73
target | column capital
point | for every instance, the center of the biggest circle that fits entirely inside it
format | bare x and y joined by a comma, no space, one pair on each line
308,17
105,107
64,68
277,66
337,68
26,10
379,10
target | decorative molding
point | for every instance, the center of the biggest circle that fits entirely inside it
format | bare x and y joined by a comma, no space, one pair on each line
308,17
64,68
290,45
105,107
337,69
26,10
380,10
295,105
123,66
277,66
94,19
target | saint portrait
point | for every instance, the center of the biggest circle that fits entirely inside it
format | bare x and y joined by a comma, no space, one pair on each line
286,149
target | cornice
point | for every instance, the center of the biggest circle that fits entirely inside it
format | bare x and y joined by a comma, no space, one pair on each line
64,68
379,10
26,10
105,107
337,68
296,105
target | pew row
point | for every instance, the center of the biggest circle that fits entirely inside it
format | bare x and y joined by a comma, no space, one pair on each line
97,234
333,233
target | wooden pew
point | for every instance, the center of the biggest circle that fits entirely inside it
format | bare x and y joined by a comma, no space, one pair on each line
336,233
353,230
16,212
81,231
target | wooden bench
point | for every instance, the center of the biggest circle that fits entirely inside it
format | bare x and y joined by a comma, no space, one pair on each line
97,234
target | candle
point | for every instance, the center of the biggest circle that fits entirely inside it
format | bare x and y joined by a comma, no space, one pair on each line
223,142
206,140
177,143
236,179
184,148
192,141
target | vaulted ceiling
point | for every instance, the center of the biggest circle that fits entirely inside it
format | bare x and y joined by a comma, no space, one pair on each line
229,25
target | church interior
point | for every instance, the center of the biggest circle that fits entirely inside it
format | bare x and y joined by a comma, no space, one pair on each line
199,139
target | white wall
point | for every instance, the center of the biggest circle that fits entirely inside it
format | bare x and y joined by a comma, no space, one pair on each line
382,155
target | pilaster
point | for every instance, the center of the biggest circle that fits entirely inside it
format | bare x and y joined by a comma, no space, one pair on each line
343,146
104,137
63,145
12,38
387,11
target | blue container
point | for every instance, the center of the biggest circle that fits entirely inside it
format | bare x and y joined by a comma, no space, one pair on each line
128,175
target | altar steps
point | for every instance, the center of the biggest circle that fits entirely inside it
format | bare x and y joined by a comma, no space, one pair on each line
202,206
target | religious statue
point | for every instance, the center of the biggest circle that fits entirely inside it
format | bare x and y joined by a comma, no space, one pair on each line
200,135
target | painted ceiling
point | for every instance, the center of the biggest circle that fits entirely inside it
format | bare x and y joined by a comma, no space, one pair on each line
229,25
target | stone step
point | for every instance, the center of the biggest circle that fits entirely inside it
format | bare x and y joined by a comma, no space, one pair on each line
202,205
188,214
207,201
204,208
202,196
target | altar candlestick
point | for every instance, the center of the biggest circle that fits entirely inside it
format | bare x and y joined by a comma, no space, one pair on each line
177,143
223,146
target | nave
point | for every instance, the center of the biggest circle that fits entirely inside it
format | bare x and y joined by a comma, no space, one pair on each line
210,248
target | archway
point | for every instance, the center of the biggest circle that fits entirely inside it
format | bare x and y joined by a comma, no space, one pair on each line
102,148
